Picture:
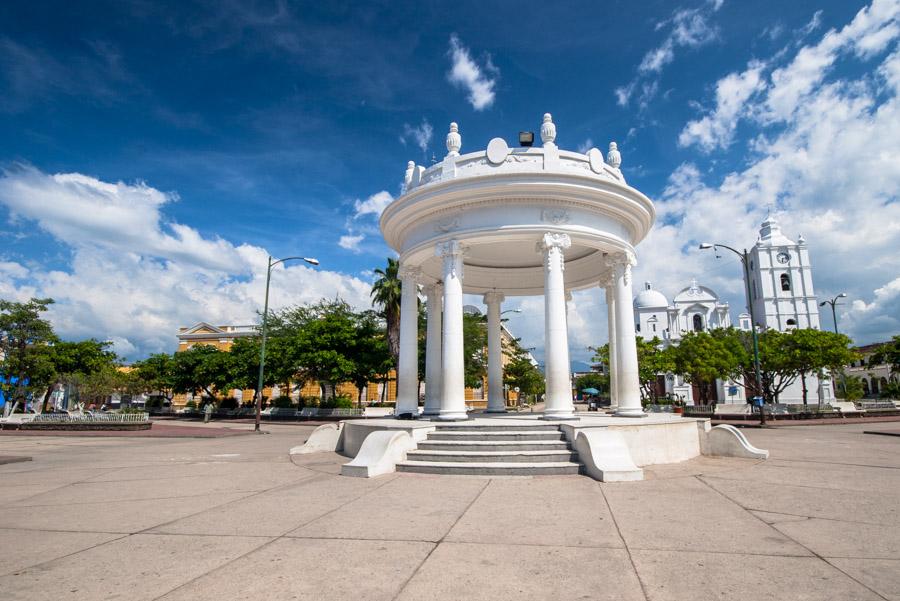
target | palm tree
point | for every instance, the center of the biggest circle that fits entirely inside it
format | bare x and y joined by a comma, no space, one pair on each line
386,295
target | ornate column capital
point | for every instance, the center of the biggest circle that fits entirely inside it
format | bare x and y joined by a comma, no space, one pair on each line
450,248
409,272
434,290
568,296
554,240
494,297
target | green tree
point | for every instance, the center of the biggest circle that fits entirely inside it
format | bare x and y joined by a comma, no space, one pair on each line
519,372
315,342
592,380
474,349
156,373
201,368
369,352
811,352
74,362
386,293
850,388
243,365
24,336
702,358
653,361
888,353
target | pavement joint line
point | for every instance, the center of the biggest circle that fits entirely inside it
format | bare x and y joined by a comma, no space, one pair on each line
250,496
272,541
20,501
440,541
879,467
815,517
222,492
767,482
795,541
459,542
615,522
39,564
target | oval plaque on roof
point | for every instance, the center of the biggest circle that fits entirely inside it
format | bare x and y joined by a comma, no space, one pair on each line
596,159
497,151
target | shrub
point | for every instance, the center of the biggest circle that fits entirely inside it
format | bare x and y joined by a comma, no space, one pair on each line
342,402
283,402
228,402
126,410
309,401
191,404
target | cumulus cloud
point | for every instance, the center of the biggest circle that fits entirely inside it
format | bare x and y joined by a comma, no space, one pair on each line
351,241
716,129
134,278
420,135
373,205
466,74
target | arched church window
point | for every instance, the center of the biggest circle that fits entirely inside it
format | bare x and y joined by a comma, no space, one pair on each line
792,322
755,295
785,282
698,323
751,265
637,327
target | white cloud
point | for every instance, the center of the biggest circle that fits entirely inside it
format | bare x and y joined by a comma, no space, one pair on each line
134,278
465,73
351,241
374,204
421,134
585,146
687,28
831,162
716,129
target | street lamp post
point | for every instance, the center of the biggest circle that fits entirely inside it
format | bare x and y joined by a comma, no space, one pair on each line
265,322
745,261
834,302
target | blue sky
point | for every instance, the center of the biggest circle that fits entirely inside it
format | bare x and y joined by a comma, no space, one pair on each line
153,154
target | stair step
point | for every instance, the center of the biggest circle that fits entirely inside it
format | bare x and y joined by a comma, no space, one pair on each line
490,468
493,445
454,434
499,427
505,456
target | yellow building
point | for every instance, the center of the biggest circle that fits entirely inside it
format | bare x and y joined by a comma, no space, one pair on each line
223,336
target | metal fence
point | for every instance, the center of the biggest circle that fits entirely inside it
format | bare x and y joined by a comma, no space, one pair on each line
91,418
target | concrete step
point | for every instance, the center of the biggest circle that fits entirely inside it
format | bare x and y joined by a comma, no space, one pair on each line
529,435
490,468
526,427
493,456
493,445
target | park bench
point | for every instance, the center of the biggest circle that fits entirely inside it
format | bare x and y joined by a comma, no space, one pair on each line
847,408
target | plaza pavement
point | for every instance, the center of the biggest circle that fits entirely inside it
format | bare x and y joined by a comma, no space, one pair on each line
235,518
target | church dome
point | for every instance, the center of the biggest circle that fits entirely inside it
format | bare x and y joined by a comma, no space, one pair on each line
648,298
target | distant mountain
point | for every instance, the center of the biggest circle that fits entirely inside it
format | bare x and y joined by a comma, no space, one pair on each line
579,366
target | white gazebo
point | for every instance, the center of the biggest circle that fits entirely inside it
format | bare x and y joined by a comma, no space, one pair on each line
507,222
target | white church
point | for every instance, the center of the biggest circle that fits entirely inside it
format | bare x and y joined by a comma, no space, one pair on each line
781,291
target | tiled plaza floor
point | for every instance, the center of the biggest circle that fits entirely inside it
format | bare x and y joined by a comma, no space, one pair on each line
235,518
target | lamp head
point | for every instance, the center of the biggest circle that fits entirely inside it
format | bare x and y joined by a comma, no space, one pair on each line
526,138
705,246
823,303
311,261
842,295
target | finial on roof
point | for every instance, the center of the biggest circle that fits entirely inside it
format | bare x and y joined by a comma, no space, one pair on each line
454,140
801,239
613,157
548,130
407,179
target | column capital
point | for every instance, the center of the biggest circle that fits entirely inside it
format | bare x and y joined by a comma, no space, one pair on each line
409,272
554,240
434,289
449,248
494,297
568,296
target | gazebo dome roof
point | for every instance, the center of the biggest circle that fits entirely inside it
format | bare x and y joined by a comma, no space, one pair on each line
648,298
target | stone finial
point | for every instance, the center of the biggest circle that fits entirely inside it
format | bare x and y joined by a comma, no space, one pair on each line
408,177
801,240
613,157
548,130
454,140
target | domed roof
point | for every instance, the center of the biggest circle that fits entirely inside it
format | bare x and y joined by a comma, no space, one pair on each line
648,298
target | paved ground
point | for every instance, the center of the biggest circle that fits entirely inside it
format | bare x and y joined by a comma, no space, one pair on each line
234,518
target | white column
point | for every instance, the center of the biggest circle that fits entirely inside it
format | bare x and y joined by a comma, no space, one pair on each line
558,396
408,362
627,384
496,402
433,382
613,359
453,392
